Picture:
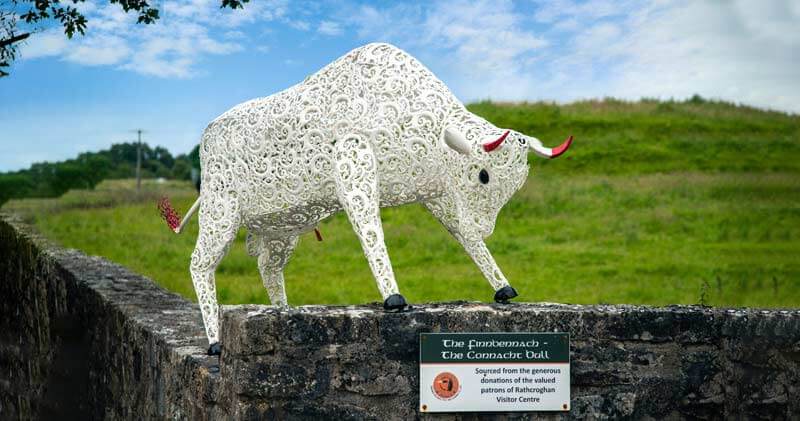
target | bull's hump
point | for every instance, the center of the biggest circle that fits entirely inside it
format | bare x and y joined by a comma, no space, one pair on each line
382,46
383,54
238,111
376,53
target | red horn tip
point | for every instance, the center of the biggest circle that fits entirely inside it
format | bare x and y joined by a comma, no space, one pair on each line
560,149
488,147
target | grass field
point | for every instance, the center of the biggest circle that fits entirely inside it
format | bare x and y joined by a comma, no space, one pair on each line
656,203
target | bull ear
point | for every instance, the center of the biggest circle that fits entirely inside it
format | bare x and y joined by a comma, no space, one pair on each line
456,141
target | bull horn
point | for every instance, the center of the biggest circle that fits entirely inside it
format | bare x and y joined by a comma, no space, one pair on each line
544,152
456,141
488,147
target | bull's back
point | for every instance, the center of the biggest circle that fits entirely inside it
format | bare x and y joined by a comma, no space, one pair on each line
376,86
277,152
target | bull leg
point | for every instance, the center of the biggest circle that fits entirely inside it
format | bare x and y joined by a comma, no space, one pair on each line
443,208
356,178
218,226
274,255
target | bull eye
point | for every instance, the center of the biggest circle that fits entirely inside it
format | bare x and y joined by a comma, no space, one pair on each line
483,176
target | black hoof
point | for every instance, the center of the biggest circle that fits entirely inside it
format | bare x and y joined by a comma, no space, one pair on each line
395,302
504,294
215,349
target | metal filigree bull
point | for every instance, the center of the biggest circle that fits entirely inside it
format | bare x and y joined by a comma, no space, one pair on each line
375,128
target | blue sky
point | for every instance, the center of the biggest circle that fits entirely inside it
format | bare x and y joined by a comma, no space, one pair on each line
172,78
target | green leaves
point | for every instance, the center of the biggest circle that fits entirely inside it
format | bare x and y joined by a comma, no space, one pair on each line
147,14
233,4
72,20
38,13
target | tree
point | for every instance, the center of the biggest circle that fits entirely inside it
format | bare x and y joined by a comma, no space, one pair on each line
182,169
194,157
14,185
96,168
21,18
52,179
163,156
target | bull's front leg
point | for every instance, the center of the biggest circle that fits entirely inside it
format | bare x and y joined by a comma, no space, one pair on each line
444,209
356,177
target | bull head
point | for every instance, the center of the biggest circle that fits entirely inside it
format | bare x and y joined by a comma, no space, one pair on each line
484,179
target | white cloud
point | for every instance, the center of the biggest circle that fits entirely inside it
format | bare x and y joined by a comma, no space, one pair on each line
740,51
110,19
327,27
99,50
478,47
208,12
174,46
45,44
300,25
394,23
235,35
555,11
256,11
175,51
85,7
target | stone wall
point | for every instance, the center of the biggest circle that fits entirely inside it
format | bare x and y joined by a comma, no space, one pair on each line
84,338
626,361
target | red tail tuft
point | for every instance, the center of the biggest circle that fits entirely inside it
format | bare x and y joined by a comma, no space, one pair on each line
169,214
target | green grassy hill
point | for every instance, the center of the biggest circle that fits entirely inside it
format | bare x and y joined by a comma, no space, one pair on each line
656,203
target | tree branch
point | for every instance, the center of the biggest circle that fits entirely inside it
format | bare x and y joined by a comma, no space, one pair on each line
15,38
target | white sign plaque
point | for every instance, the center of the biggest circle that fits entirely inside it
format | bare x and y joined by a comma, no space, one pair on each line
494,372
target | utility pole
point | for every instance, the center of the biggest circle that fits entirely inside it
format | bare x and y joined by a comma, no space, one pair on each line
139,162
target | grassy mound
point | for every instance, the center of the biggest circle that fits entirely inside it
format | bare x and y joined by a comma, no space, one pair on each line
656,203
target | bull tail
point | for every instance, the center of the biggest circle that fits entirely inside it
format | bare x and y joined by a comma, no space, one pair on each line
172,217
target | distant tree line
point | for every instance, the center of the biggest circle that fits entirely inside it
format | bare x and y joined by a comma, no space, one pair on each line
48,179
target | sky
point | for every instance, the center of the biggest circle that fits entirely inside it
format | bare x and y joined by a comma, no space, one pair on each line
172,78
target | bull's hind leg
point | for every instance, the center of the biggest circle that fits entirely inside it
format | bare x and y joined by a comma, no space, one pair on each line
218,225
272,258
356,177
444,210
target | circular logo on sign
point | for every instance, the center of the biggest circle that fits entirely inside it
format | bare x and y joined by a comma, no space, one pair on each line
446,386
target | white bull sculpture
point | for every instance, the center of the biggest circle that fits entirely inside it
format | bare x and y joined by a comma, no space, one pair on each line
375,128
